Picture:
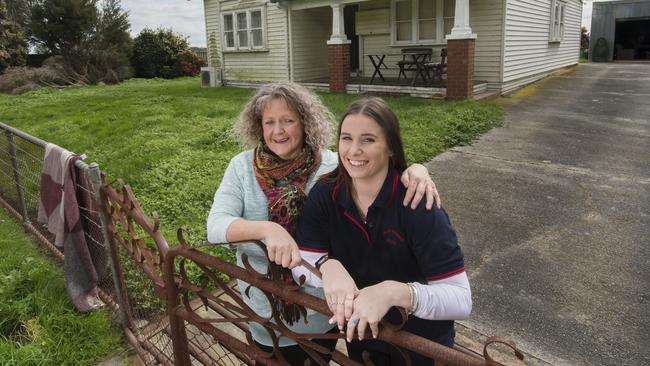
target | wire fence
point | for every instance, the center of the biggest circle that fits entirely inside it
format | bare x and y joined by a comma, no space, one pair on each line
116,250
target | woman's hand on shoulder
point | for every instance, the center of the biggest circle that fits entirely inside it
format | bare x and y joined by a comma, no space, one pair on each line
340,290
418,183
281,247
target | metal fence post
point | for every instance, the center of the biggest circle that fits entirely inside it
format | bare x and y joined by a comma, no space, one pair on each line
19,186
96,181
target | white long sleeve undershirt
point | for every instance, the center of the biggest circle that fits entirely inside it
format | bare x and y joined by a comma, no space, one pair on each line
446,299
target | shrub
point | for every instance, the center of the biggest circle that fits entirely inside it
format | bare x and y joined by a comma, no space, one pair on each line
187,63
155,53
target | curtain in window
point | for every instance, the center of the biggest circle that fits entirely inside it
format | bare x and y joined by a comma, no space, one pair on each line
403,24
228,30
242,30
448,15
257,39
427,21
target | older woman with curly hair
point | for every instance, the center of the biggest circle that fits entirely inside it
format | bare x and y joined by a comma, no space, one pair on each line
262,193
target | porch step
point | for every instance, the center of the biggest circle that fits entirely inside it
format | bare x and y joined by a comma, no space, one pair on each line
487,95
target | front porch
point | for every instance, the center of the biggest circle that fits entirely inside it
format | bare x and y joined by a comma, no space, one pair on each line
392,86
375,36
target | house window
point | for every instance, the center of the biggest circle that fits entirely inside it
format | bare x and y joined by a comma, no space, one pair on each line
558,10
417,22
244,30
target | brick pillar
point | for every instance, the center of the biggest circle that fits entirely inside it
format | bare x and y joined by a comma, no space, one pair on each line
460,68
338,60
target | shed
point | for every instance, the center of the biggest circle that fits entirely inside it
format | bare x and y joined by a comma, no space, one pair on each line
620,30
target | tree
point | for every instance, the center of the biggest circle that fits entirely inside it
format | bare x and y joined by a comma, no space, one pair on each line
94,42
64,27
113,27
156,51
13,47
111,45
584,39
18,11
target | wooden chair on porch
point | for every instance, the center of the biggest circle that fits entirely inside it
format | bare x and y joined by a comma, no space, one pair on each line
436,70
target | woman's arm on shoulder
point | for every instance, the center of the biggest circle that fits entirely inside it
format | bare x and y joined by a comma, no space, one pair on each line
418,183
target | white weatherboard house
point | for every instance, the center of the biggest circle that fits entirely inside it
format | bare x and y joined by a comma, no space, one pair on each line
495,45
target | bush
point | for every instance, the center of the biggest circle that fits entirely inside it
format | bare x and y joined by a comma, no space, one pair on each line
187,63
155,53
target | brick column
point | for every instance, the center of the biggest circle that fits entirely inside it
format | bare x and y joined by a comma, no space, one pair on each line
460,68
338,60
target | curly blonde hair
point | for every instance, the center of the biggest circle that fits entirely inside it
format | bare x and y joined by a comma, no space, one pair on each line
316,118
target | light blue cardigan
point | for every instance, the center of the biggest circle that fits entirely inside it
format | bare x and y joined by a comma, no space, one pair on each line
240,196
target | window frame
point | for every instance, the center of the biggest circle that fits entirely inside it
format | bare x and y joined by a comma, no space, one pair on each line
249,30
557,24
415,24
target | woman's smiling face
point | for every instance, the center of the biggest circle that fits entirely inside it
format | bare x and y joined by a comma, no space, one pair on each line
363,148
282,129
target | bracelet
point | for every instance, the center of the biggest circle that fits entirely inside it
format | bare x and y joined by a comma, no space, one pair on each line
409,310
415,303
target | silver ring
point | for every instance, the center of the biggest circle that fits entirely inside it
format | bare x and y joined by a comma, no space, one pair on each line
354,321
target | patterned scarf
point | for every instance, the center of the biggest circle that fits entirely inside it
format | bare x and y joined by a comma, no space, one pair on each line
283,183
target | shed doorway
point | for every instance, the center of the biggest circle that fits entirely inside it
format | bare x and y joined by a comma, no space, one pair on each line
632,39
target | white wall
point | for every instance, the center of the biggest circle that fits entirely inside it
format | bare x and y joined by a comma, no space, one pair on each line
310,30
486,20
269,65
528,53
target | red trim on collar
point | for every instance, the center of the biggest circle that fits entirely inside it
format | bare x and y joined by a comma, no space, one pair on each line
358,225
446,275
336,189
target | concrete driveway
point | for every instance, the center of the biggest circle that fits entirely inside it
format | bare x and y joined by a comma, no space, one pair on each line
553,214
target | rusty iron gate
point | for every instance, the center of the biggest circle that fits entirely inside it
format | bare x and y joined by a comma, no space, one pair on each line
179,305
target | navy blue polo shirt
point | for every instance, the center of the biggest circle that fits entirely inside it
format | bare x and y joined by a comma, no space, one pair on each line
395,243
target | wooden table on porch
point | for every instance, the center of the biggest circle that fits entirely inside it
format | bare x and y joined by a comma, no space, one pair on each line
418,60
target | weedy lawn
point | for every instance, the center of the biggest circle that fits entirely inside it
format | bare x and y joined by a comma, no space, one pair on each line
170,139
38,324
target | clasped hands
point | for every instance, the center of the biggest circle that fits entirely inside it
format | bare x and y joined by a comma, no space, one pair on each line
358,309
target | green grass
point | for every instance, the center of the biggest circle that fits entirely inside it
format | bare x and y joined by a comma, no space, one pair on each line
170,138
38,325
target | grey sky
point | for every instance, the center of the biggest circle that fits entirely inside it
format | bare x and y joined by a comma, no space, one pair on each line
186,17
182,16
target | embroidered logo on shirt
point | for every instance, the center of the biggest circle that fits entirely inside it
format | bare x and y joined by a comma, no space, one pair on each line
392,237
